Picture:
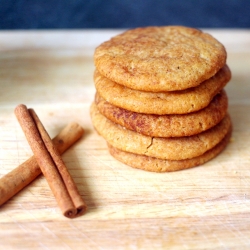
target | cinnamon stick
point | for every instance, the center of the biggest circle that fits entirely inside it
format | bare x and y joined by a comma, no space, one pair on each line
54,153
38,138
21,176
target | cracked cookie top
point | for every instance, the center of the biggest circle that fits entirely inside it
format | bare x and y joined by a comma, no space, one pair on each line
175,148
160,58
158,165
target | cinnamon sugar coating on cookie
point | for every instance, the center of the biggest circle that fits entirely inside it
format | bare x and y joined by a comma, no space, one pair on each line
160,58
174,102
167,125
152,164
175,148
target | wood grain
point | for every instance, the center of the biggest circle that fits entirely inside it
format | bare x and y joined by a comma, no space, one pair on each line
207,207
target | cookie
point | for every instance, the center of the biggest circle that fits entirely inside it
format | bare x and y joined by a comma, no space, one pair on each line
158,165
167,125
160,59
175,102
164,148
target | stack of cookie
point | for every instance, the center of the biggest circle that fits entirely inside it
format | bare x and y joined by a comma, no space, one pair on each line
160,101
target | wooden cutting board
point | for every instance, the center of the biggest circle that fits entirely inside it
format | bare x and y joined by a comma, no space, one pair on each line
207,207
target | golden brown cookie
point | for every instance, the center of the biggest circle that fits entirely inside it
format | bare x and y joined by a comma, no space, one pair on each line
176,102
160,58
164,148
167,125
158,165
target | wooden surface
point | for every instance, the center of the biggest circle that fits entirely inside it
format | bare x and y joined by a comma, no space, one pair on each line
207,207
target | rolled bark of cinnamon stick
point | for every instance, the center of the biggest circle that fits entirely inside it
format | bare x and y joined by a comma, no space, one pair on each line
55,155
14,181
45,161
